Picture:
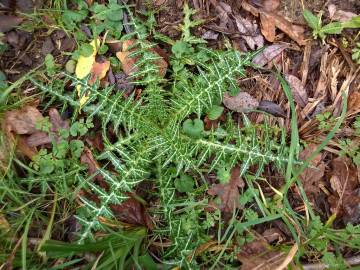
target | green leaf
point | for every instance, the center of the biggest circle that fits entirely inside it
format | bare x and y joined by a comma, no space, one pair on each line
50,64
147,262
180,48
99,10
193,128
223,174
185,183
353,23
332,28
72,18
3,82
215,112
103,49
60,149
233,91
115,13
313,21
76,147
86,49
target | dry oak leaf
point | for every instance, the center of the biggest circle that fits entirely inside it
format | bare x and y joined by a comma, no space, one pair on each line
312,175
22,121
229,193
128,63
298,90
340,15
249,32
242,102
268,54
271,20
57,124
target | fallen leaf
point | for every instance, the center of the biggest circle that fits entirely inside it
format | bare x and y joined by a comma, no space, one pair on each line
272,108
242,102
271,19
129,63
85,63
268,28
57,124
354,102
344,181
271,5
272,235
84,67
258,255
210,35
47,46
268,54
98,71
312,175
229,192
22,121
8,22
133,212
298,90
93,167
249,32
295,32
340,15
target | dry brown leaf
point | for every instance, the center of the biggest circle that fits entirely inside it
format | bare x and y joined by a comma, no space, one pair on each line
312,175
340,15
93,167
298,90
354,102
129,63
258,255
22,121
295,32
271,5
268,28
272,108
98,71
344,181
249,32
132,211
272,235
57,124
229,193
268,54
273,19
242,102
8,22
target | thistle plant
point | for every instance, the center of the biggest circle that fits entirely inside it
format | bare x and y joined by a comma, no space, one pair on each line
161,135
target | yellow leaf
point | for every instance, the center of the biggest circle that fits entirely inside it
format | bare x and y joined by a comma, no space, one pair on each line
85,63
84,66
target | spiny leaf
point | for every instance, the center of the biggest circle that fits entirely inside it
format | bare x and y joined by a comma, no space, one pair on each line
313,21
